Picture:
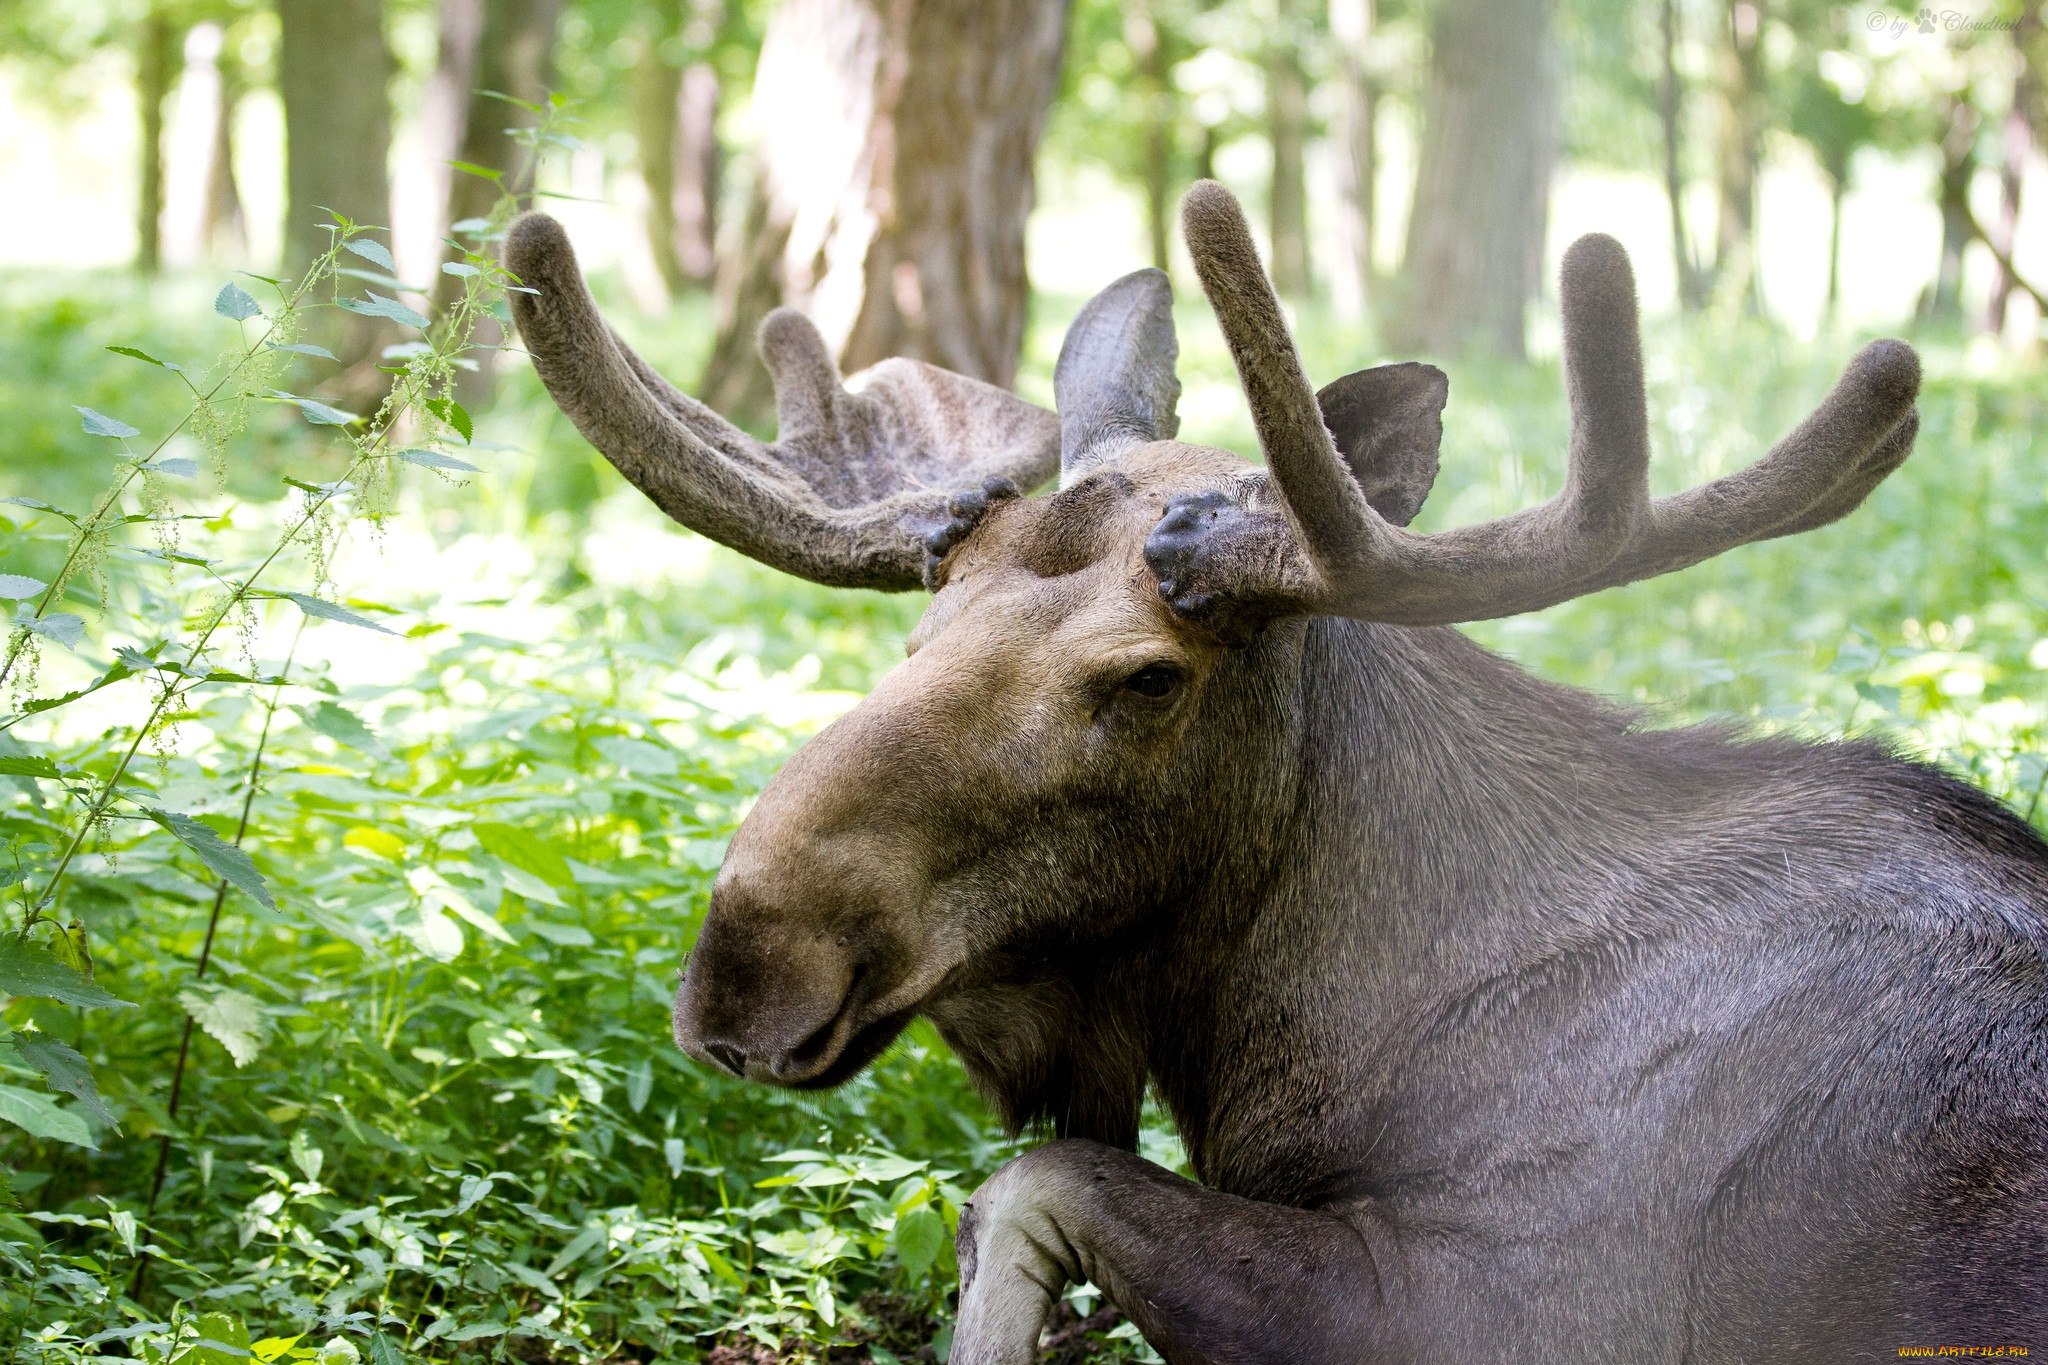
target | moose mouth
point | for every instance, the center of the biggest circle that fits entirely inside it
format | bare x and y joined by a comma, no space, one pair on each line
854,1055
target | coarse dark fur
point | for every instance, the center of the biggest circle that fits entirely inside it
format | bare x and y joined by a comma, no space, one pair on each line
1497,1024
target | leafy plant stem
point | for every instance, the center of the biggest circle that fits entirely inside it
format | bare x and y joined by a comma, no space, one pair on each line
220,898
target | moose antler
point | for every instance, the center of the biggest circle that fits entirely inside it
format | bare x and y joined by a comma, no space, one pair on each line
1601,530
861,484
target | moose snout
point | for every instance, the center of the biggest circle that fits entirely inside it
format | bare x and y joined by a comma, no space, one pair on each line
766,1000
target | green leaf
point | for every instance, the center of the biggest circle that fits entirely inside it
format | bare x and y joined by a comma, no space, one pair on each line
578,1247
29,970
377,306
481,172
455,415
182,466
99,424
228,862
64,1069
639,1084
145,357
63,627
232,1019
523,850
461,270
28,766
328,611
307,348
434,459
15,586
343,726
43,1117
919,1236
318,413
385,1351
372,251
235,302
475,1188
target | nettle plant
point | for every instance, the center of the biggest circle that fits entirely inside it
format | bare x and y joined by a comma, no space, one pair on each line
191,606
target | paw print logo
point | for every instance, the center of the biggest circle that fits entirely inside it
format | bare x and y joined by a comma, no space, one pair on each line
1927,21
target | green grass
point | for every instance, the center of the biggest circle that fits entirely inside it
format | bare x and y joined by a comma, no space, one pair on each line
451,1123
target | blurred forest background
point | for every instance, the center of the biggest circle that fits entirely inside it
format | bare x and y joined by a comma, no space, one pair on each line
366,749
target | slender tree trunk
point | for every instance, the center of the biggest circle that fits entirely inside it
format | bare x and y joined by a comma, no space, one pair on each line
1356,135
1838,189
1740,150
1944,300
1287,127
676,112
1482,192
1143,35
893,178
333,71
225,229
1671,109
444,113
515,56
153,66
2019,147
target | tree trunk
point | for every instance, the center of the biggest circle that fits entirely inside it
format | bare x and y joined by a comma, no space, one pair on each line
893,178
1356,135
1944,300
333,71
1740,150
1142,34
1838,189
2019,147
152,86
516,57
225,230
1671,110
1287,127
444,114
676,109
1482,191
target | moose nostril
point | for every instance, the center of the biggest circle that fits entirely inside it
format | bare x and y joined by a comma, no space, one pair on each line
728,1056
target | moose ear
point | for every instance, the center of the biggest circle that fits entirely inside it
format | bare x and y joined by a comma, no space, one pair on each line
1388,423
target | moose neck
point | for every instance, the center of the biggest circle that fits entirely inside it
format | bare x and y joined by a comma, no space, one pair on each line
1409,798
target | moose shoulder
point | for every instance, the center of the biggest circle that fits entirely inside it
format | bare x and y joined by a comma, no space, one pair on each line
1497,1027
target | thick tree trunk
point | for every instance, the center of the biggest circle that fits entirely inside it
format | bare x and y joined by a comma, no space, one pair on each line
1741,149
1357,144
1482,192
893,178
676,111
1944,299
202,215
333,71
1671,112
444,114
515,56
1147,41
1287,127
2019,148
153,66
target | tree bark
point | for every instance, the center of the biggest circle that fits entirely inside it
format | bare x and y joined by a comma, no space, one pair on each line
153,65
1482,191
1944,299
2019,147
333,71
676,109
894,174
515,56
1147,41
1671,111
444,112
1287,128
1838,189
1740,149
1357,137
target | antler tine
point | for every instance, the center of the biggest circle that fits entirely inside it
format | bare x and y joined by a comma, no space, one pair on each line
1601,529
854,484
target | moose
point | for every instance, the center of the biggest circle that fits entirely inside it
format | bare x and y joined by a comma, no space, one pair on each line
1497,1024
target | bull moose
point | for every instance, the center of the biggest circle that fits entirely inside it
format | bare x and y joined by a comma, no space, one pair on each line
1497,1026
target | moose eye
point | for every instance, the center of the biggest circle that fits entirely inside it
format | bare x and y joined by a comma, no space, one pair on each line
1156,681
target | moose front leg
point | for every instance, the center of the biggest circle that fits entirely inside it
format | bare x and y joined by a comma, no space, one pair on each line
1206,1276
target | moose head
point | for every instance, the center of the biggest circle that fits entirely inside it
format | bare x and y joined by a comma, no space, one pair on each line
1098,718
